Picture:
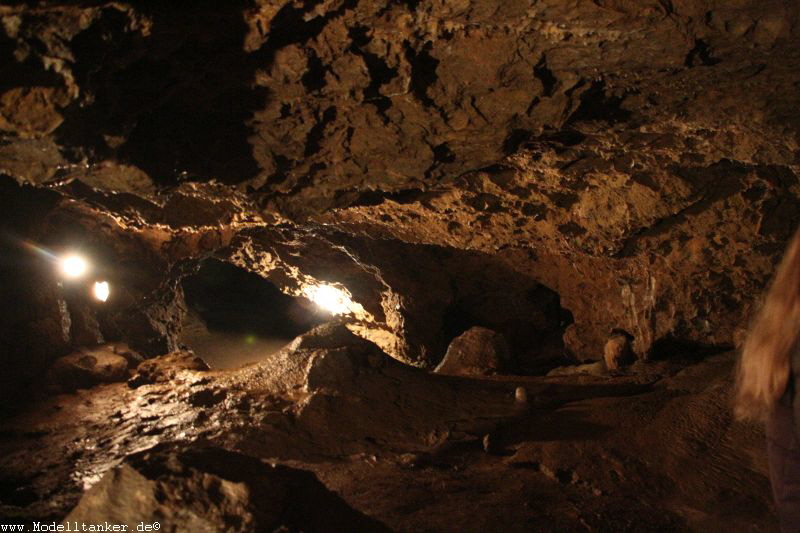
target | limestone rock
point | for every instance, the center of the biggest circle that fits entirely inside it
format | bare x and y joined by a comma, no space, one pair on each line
30,112
166,368
86,368
477,351
617,352
210,490
642,167
325,336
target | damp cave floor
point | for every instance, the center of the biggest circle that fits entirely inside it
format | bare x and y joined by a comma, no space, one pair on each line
662,455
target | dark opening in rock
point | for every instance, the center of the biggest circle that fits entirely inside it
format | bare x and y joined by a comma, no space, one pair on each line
532,323
236,317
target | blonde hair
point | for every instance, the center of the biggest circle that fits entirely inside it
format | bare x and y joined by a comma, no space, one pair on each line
765,363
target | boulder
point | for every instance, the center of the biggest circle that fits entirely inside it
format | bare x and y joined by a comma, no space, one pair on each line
88,367
166,368
212,489
617,352
478,351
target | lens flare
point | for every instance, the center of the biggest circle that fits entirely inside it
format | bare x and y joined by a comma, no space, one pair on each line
330,298
101,290
73,266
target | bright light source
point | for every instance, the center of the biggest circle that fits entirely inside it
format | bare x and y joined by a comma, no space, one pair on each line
73,266
329,298
101,290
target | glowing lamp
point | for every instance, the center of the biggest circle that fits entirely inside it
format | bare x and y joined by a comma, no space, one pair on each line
101,290
330,298
73,266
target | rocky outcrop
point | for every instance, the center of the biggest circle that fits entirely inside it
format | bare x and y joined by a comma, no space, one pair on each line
400,444
211,489
641,163
89,367
617,352
478,351
329,394
165,368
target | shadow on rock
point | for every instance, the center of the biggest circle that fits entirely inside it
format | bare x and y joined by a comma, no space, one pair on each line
211,489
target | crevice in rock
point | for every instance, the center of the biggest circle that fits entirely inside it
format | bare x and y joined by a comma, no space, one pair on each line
700,55
515,140
597,104
282,166
27,73
379,72
290,25
314,78
545,75
317,132
443,154
423,72
377,197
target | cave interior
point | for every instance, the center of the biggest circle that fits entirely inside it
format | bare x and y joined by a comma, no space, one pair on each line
389,265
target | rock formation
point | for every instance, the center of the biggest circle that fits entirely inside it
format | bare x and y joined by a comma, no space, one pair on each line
559,173
640,161
214,490
478,351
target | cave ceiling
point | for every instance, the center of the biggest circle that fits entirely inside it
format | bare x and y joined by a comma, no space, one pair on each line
633,165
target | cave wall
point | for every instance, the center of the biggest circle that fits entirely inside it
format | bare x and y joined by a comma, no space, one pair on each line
639,159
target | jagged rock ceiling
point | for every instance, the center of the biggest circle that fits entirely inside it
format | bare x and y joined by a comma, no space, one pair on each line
632,165
558,179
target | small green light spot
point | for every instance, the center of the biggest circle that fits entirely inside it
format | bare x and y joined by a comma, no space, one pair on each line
250,340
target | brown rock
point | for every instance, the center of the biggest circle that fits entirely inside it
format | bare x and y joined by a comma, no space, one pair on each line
617,351
211,489
86,368
477,351
30,112
166,368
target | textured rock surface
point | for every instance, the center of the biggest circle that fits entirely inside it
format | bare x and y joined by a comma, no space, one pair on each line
477,351
165,368
639,161
405,446
211,489
86,368
557,172
617,352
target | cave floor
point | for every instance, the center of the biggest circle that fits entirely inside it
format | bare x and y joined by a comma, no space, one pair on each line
646,450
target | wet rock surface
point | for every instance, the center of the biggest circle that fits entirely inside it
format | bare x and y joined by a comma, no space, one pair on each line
406,447
165,368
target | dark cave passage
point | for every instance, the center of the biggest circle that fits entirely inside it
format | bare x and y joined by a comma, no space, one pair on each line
531,321
235,317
